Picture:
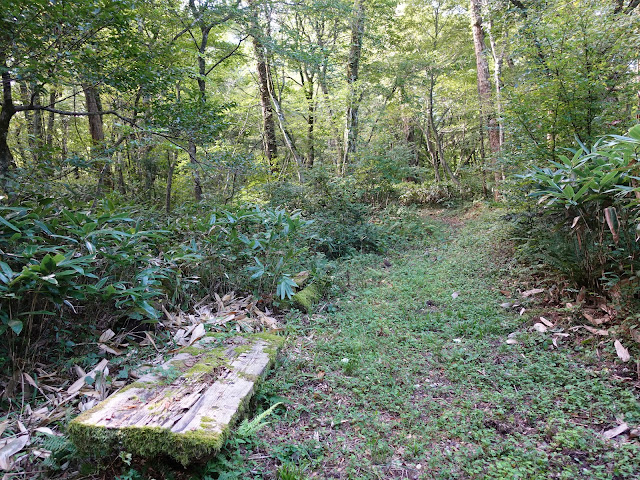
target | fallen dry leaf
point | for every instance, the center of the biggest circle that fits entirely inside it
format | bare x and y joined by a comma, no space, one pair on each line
614,432
197,333
539,327
108,349
10,449
622,352
531,292
455,295
596,321
80,383
597,331
106,336
546,322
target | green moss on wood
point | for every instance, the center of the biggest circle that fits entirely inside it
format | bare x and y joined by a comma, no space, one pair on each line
146,441
310,295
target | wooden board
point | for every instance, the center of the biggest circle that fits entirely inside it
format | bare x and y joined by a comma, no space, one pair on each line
183,409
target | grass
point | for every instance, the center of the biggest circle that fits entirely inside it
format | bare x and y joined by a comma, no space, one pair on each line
398,379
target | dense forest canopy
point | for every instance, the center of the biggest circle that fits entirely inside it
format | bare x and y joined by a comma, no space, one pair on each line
145,99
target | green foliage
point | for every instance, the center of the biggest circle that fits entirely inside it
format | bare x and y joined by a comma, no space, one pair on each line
428,193
290,471
342,223
573,79
62,450
58,258
590,200
249,428
260,244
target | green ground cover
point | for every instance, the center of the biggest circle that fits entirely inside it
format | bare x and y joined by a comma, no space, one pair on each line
399,379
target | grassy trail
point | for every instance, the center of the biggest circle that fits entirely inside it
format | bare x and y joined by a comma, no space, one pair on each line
399,379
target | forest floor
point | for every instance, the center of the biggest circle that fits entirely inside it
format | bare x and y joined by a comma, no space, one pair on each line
409,375
417,371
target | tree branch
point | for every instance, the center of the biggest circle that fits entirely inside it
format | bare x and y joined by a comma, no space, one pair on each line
30,108
226,56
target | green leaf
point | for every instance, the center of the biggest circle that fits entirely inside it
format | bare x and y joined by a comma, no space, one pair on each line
9,224
634,132
6,269
48,264
16,326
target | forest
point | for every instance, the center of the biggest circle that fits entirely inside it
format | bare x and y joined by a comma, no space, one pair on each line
432,208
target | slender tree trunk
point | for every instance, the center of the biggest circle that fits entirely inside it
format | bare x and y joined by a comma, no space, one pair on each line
484,90
433,155
269,141
288,140
64,140
197,185
172,164
308,87
334,142
37,134
205,29
121,185
51,119
498,61
6,114
353,100
96,129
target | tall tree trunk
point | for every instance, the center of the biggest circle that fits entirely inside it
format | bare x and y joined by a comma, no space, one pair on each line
269,141
288,139
484,90
335,142
37,134
51,118
435,134
96,130
205,29
171,161
6,114
121,185
353,100
433,155
308,87
197,185
498,61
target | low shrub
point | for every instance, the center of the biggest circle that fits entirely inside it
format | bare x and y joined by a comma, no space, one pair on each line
586,223
341,221
428,193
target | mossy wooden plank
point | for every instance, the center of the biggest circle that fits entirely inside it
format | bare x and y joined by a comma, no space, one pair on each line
310,295
183,409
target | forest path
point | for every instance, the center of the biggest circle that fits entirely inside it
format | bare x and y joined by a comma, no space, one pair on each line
409,375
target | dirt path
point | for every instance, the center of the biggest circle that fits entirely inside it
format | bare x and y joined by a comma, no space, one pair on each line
409,375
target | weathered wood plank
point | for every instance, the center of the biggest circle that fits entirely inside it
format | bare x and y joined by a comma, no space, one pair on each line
183,409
